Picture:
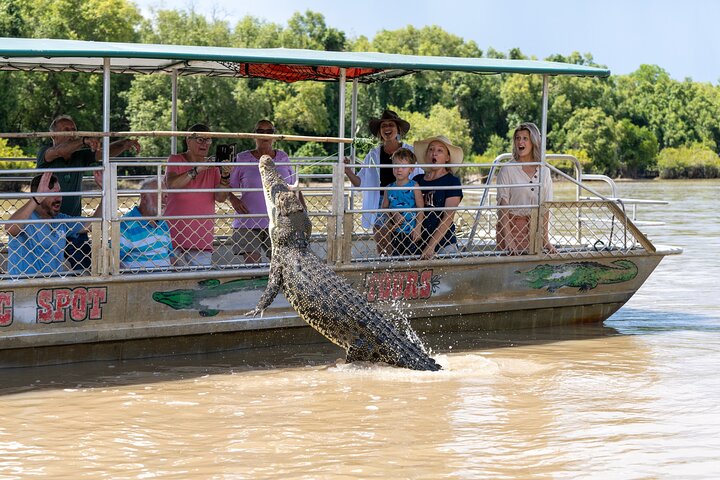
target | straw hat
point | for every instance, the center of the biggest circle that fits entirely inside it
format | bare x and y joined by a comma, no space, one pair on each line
402,125
421,146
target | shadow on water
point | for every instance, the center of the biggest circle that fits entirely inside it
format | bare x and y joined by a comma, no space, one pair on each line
634,321
103,374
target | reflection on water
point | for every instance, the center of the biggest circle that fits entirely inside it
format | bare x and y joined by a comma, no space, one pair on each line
633,398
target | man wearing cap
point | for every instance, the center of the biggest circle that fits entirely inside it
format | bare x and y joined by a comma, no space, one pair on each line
76,152
390,129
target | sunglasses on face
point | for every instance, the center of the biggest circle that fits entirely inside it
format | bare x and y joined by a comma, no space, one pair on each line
265,130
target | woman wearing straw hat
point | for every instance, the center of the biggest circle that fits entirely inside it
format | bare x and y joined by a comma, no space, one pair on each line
438,227
390,129
513,228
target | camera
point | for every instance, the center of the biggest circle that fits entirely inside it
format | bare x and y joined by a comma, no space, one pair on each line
224,153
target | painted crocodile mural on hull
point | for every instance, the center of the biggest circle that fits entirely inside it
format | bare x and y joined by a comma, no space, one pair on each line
195,299
581,275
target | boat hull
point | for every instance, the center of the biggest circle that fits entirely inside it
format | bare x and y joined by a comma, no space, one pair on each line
105,318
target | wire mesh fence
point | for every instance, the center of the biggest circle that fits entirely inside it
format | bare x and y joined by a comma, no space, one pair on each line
125,241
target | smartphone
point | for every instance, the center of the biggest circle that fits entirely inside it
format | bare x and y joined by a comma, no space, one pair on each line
224,153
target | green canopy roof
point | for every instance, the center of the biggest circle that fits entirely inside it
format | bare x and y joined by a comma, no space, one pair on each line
51,55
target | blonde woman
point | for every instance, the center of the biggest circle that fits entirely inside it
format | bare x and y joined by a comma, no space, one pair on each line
513,228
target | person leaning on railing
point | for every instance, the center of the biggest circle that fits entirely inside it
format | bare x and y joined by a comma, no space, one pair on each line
513,228
37,248
438,227
193,237
76,152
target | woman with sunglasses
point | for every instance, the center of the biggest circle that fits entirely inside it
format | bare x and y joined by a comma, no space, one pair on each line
250,234
193,238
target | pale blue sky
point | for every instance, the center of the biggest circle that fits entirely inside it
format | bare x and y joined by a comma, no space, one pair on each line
680,36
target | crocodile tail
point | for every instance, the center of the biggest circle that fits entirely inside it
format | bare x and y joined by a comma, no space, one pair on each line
412,356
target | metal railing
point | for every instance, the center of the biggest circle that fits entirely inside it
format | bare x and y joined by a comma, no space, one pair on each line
594,225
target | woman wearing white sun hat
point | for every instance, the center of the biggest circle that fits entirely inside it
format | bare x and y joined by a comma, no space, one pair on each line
438,227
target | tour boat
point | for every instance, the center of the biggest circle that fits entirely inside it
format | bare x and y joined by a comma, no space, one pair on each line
602,256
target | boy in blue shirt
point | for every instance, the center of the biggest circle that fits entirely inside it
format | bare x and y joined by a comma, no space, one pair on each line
406,227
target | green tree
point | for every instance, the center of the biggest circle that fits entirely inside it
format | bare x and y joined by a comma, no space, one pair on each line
590,129
637,148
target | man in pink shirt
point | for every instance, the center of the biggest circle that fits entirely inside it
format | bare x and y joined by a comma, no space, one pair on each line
193,237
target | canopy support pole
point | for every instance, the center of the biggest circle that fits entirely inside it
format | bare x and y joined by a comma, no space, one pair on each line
540,232
353,117
543,131
108,197
173,111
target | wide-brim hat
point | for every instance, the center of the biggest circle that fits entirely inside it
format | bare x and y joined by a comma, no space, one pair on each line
456,154
402,125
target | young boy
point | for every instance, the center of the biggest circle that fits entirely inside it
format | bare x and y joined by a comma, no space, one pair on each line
405,226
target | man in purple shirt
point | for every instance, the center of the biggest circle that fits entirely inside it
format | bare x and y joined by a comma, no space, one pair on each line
250,234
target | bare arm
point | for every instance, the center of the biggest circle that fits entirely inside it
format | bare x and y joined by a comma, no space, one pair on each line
501,230
352,176
546,233
119,146
420,217
237,204
222,196
24,212
64,150
445,222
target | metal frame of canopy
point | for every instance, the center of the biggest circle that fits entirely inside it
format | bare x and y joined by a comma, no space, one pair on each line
54,55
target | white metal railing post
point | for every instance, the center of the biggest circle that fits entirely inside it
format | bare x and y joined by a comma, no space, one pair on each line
338,179
543,172
107,190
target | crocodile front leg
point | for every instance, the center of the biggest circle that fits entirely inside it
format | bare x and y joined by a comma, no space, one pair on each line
271,291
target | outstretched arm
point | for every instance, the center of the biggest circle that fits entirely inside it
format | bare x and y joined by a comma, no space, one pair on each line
350,172
445,222
24,212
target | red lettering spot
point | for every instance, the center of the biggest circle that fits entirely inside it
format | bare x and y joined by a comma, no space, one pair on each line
44,306
78,305
63,296
97,298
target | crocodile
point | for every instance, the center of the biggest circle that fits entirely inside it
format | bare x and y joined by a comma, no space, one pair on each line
323,299
192,299
581,275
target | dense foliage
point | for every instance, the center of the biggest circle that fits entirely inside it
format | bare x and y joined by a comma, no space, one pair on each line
638,125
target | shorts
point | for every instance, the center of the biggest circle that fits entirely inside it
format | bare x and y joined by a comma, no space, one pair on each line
193,258
403,244
78,252
248,240
380,217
